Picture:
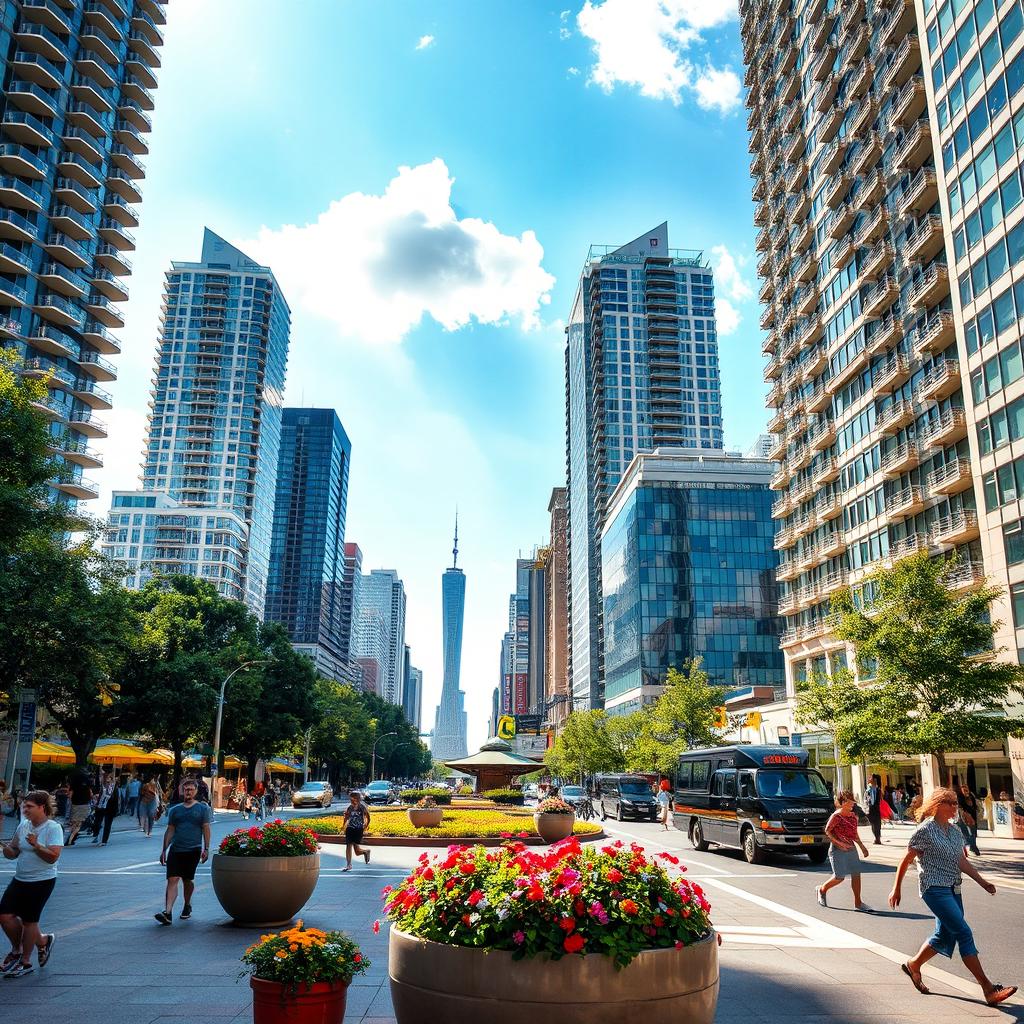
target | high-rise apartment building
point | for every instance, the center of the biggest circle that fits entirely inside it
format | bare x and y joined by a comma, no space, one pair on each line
214,429
641,371
305,589
74,113
556,631
885,141
348,625
449,737
383,593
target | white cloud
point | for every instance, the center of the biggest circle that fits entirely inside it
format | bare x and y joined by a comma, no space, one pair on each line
374,265
727,317
650,44
730,287
573,71
424,42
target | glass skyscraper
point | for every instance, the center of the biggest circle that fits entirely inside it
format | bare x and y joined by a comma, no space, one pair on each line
689,572
74,113
382,596
307,547
214,428
641,370
449,737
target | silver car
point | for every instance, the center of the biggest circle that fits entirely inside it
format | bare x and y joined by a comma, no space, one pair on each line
313,794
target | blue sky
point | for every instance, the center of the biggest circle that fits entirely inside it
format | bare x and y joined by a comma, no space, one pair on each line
425,180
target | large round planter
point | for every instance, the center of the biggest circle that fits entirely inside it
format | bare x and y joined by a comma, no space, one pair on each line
432,983
320,1003
264,891
425,817
553,827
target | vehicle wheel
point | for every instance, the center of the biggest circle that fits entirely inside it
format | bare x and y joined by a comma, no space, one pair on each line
697,840
619,816
752,853
818,856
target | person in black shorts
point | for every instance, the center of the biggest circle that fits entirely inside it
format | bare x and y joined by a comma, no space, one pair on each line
357,820
186,845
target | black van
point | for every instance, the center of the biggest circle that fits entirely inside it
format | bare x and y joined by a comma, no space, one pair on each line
753,798
622,796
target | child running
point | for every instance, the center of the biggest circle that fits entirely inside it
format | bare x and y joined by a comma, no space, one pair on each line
357,820
842,855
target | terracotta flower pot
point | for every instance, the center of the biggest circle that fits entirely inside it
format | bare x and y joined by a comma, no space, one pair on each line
264,892
432,983
553,827
320,1003
425,817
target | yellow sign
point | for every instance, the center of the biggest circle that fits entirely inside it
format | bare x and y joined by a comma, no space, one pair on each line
753,720
720,721
506,727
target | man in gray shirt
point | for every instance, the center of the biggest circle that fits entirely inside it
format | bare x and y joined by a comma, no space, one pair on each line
186,845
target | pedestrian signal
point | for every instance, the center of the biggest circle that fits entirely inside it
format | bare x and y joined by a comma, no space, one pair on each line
720,721
506,727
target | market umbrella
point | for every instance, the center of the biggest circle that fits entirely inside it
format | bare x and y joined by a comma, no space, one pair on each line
126,753
43,751
281,766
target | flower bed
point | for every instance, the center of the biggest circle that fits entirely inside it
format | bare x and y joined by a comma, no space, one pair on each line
440,795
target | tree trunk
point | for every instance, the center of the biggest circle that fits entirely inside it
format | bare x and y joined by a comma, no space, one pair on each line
177,751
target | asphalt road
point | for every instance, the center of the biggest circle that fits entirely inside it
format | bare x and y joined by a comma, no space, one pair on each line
997,921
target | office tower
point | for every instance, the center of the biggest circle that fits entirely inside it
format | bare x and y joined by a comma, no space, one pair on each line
449,738
641,371
556,633
492,722
888,382
305,589
763,446
214,429
704,518
519,632
536,668
412,698
383,592
78,83
373,649
348,625
507,672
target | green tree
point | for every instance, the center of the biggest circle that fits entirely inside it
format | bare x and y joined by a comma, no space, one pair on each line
941,685
584,746
402,755
341,734
832,704
632,738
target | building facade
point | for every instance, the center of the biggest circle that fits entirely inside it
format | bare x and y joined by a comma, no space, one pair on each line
214,430
450,727
307,546
373,649
641,371
689,572
74,115
412,698
556,629
382,596
348,626
886,169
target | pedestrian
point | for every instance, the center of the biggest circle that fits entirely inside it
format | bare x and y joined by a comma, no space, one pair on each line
62,798
899,801
148,808
873,798
133,789
81,804
968,806
938,846
105,810
841,829
186,845
36,845
663,802
357,820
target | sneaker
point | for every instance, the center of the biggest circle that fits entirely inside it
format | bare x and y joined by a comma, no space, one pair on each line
19,971
95,840
44,953
10,962
163,917
822,902
186,912
864,908
366,854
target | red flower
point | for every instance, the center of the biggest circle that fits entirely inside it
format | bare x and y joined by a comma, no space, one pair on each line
535,893
579,908
428,875
524,835
450,884
658,921
614,875
474,897
506,835
358,958
567,924
679,945
467,867
629,907
376,927
573,943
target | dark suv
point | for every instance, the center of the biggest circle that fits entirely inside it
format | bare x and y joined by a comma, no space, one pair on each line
626,796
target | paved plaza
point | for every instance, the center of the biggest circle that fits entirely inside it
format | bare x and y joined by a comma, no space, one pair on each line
783,957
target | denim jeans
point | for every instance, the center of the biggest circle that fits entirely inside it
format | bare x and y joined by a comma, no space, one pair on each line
951,927
970,835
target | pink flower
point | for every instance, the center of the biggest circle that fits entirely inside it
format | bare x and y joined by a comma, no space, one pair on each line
679,945
518,938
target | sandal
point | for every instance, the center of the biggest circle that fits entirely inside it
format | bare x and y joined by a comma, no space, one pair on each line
917,982
1000,994
9,961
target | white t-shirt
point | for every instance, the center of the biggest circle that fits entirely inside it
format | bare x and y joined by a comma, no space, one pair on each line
663,797
30,866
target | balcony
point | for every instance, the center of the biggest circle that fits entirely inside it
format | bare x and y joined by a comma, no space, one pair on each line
965,576
128,135
902,458
909,103
833,155
842,376
13,260
906,502
17,228
941,381
816,360
800,458
109,285
783,538
86,423
88,89
54,342
112,259
952,478
829,124
788,603
28,129
98,336
72,165
61,280
881,296
949,427
895,416
835,191
21,162
82,488
92,65
782,506
829,507
142,22
804,525
114,233
890,374
786,570
97,367
937,334
135,89
957,528
833,543
867,154
914,149
130,111
39,70
76,452
88,392
920,195
118,209
822,435
840,221
781,478
930,287
47,13
70,222
903,64
56,309
871,190
871,228
69,192
55,376
925,241
864,117
877,261
128,161
842,252
791,637
124,186
860,80
67,250
906,546
767,290
104,310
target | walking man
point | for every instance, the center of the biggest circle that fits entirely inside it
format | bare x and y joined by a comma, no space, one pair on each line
186,845
132,791
873,797
81,801
106,810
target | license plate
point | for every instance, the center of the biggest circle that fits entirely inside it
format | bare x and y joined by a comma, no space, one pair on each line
807,839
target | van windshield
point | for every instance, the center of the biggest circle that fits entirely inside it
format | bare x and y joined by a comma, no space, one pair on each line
634,787
788,784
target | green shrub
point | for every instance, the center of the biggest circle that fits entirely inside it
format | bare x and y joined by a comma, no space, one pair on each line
442,795
505,797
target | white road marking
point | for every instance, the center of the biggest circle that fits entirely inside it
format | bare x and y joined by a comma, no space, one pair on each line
131,867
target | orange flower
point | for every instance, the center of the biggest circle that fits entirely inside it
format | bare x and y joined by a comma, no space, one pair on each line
294,948
281,955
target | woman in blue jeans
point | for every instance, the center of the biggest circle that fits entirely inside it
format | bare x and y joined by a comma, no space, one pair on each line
938,846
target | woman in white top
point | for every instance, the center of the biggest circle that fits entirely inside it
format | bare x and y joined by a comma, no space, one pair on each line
36,846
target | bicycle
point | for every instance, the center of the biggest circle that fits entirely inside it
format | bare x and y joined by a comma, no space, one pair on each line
585,809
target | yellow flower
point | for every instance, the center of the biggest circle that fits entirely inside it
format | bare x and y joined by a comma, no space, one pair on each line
281,955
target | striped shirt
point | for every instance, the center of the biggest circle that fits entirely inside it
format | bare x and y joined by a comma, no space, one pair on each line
940,850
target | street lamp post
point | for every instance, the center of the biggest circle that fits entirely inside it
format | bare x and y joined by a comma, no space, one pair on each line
220,718
373,755
305,761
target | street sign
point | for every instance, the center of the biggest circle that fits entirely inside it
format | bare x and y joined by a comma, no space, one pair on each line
753,720
506,727
27,721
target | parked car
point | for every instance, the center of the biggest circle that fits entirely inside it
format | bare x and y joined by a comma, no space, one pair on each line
530,791
380,792
313,794
621,796
572,794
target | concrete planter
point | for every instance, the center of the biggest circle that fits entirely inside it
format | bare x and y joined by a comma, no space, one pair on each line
425,817
264,892
432,983
554,827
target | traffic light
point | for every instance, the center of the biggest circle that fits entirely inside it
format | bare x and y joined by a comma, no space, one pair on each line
720,721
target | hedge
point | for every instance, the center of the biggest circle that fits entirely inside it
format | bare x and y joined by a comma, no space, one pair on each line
441,795
505,797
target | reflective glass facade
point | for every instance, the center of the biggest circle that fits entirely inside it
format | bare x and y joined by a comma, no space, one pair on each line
449,740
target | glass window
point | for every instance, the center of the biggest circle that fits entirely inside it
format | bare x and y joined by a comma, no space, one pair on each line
1012,366
997,262
1009,27
1002,309
1015,420
1004,146
1015,74
990,52
1007,482
1013,540
977,120
945,18
1015,244
1017,600
996,97
1010,192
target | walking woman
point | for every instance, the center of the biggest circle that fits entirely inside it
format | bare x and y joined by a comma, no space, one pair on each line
938,846
36,845
149,805
357,820
842,855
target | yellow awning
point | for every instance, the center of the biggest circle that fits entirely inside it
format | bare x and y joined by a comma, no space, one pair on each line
126,753
43,751
280,766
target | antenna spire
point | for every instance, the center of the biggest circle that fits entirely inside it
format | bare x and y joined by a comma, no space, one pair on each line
455,550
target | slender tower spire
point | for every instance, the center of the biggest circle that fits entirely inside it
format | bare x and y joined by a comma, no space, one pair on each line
455,550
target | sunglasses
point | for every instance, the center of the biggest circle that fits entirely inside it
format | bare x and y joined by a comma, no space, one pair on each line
950,803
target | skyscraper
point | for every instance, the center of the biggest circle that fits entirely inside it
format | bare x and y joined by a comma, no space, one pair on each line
348,625
556,634
889,388
74,115
210,460
412,698
373,650
384,593
449,740
305,590
641,370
